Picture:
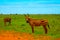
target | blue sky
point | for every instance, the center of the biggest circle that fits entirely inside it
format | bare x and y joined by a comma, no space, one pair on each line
30,6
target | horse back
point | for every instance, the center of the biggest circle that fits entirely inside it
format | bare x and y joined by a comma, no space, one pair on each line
36,22
7,19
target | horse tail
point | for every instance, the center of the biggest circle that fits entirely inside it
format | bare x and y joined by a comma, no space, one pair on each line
48,26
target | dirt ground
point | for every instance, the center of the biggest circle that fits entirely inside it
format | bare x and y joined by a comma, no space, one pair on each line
12,35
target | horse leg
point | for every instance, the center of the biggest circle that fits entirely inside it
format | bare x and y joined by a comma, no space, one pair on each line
32,29
45,29
10,23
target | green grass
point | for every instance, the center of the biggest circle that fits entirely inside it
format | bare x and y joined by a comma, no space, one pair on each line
19,24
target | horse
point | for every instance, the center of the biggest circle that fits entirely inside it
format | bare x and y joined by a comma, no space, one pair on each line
37,22
7,19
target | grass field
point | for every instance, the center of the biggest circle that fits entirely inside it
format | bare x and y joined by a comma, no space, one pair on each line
19,24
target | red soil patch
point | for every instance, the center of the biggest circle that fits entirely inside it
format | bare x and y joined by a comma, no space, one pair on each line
57,39
11,35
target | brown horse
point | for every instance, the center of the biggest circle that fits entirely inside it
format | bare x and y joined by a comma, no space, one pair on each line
7,19
37,22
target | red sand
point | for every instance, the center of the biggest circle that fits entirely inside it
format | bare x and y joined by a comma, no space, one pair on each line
11,35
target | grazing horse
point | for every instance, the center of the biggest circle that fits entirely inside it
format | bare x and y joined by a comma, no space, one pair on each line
7,19
37,22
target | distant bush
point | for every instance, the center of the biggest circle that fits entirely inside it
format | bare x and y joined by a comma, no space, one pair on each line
16,14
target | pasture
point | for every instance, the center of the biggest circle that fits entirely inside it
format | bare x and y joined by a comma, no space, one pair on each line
19,24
